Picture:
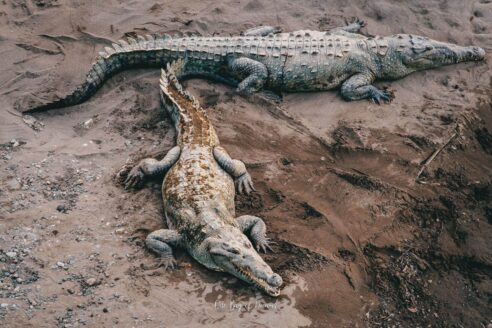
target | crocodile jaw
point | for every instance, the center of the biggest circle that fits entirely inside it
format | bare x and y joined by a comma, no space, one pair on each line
259,283
232,252
255,272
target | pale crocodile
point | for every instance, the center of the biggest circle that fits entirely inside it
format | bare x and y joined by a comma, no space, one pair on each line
198,193
297,61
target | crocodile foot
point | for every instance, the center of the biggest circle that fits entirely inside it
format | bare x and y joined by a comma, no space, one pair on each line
167,262
134,178
380,96
244,184
263,245
352,27
358,21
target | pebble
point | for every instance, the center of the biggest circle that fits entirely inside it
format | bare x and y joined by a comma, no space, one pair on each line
13,184
14,143
61,208
4,305
89,123
11,254
91,281
60,264
120,231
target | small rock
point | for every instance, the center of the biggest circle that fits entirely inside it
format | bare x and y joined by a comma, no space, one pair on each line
120,231
105,310
4,305
91,281
14,143
13,184
11,254
61,208
60,264
412,309
89,123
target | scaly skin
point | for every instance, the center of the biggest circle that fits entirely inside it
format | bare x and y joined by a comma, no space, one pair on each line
198,193
297,61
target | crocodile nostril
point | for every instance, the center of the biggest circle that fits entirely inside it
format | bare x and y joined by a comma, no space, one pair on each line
275,280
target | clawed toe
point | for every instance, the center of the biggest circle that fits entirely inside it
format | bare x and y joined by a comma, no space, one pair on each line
167,263
380,97
263,246
134,178
244,184
360,22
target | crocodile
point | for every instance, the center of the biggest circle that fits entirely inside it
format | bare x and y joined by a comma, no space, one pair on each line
266,58
198,193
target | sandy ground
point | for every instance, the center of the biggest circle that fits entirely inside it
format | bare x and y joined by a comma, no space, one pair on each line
359,242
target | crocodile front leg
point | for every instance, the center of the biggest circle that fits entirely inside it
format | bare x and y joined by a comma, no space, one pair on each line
236,169
160,242
256,229
253,74
359,87
149,167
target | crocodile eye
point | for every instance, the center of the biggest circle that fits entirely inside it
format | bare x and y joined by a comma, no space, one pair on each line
232,249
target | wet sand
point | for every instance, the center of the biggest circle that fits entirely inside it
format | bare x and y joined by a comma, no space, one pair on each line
358,241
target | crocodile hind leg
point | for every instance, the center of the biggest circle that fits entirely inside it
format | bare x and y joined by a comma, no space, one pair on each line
256,229
261,31
149,167
252,74
353,27
359,87
236,169
160,242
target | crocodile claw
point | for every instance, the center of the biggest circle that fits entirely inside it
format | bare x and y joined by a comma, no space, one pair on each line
358,21
379,97
244,184
263,245
167,262
134,178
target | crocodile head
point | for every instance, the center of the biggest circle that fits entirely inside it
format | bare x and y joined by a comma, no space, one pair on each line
410,53
232,252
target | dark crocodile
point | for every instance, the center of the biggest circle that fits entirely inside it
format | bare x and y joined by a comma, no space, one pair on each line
293,62
198,193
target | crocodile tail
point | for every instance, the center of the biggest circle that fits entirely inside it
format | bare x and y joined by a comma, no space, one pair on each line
132,53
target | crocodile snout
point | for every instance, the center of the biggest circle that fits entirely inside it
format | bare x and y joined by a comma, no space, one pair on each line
275,280
471,54
479,53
